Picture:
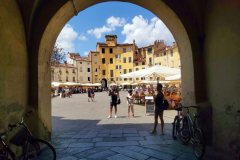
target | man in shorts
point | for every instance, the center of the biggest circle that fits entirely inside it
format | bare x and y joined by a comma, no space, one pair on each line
114,94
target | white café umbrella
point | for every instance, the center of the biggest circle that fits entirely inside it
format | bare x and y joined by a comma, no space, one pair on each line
125,83
155,71
55,84
175,77
113,84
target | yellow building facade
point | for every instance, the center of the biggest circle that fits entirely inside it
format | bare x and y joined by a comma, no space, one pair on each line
63,72
110,60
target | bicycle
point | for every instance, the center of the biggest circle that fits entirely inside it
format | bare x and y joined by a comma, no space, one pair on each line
6,153
190,132
32,148
177,123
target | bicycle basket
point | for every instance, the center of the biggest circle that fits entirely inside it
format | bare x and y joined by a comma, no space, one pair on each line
20,137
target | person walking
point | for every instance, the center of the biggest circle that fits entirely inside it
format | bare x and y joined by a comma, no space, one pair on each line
130,98
113,93
89,93
158,109
92,95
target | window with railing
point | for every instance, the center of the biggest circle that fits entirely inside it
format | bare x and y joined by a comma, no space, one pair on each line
66,70
103,50
116,56
124,60
125,71
129,59
116,78
66,78
88,69
125,79
120,56
143,63
129,49
95,60
116,67
124,50
103,72
111,73
80,69
73,71
164,53
73,79
157,55
110,50
149,50
120,67
103,60
111,60
112,79
89,79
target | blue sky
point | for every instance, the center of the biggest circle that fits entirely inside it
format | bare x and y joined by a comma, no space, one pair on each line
126,20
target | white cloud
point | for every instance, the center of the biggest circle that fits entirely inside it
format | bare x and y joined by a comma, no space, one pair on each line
86,53
146,33
66,37
112,22
82,37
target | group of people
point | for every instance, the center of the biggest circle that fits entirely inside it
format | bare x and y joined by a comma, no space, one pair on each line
91,94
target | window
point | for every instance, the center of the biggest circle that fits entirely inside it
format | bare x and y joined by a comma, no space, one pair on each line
66,70
142,78
112,79
143,67
103,60
116,78
88,78
164,53
80,69
95,60
66,78
95,69
73,70
130,79
125,71
137,78
157,55
178,50
120,78
161,54
81,78
116,56
120,56
129,59
111,60
59,69
111,73
143,63
136,64
103,72
88,69
60,78
164,60
95,79
80,62
171,51
52,77
124,50
88,63
73,79
110,42
179,62
149,50
171,54
136,69
118,49
150,60
160,63
116,68
110,50
120,67
125,79
130,70
124,60
155,64
103,50
129,49
95,54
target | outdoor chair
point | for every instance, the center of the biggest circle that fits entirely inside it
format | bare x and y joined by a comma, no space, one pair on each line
136,98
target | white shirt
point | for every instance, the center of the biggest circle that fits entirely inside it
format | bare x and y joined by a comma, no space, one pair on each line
130,101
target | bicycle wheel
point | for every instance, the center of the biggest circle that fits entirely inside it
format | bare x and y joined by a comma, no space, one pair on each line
175,128
184,132
40,149
198,143
8,155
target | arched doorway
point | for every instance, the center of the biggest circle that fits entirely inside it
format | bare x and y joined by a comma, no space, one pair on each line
104,83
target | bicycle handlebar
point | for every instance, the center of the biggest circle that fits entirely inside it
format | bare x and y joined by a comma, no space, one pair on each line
3,135
16,125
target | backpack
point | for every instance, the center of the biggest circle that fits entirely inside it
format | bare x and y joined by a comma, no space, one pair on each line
165,104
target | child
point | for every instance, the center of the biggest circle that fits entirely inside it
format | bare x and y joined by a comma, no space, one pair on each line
130,98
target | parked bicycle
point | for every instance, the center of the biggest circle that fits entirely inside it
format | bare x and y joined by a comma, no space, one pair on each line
190,132
177,123
32,148
5,153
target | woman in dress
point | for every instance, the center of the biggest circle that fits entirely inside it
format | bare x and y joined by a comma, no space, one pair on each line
130,98
158,109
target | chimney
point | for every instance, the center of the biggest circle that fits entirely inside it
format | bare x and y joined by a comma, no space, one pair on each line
134,41
174,43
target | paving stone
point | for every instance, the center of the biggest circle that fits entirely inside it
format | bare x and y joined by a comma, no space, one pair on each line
68,158
114,139
103,135
189,156
71,151
167,136
179,146
131,135
102,155
170,151
91,135
126,143
61,145
81,145
91,151
105,131
135,139
114,131
69,140
130,130
119,157
71,132
129,153
97,139
169,141
79,136
143,133
83,132
66,135
153,138
150,142
134,148
116,135
157,154
84,140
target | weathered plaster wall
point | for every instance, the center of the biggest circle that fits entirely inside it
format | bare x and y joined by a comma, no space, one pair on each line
222,54
13,65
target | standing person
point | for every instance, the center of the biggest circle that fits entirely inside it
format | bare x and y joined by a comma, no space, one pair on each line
148,89
158,110
113,93
136,89
89,93
92,95
130,98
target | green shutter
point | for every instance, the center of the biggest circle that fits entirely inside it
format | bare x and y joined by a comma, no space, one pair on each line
149,50
171,51
160,63
164,54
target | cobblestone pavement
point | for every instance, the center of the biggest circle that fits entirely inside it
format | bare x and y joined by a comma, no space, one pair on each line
81,130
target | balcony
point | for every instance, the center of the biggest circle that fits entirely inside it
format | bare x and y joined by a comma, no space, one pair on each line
95,73
150,64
